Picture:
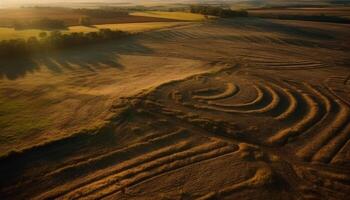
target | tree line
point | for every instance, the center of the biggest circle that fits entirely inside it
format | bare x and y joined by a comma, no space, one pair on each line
217,11
43,23
16,48
102,13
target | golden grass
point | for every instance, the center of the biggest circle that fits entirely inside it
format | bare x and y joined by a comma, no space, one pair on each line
183,16
10,33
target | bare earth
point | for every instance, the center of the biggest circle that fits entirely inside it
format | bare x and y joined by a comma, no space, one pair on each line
229,109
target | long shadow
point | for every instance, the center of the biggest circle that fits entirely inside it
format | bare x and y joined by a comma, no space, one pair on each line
266,25
89,57
288,34
17,68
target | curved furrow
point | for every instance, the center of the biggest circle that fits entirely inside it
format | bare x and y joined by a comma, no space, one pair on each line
275,101
292,106
230,90
134,175
272,104
339,142
206,90
249,105
309,151
108,159
327,102
301,126
329,149
148,157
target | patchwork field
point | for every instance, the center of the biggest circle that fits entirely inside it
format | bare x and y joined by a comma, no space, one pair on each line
69,16
183,16
241,108
11,33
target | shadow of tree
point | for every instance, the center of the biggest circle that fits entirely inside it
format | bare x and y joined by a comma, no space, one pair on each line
13,69
90,57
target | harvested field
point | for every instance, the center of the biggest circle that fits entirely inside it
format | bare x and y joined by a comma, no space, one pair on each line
69,16
182,16
229,109
341,14
333,11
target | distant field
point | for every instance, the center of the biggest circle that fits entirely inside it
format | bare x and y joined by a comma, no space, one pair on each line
136,22
10,33
183,16
328,11
129,27
69,16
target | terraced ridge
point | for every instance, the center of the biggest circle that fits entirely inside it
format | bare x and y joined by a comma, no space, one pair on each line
311,113
158,157
333,136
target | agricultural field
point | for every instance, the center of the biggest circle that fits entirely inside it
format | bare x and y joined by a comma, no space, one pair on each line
69,16
182,16
11,33
334,11
133,22
227,108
